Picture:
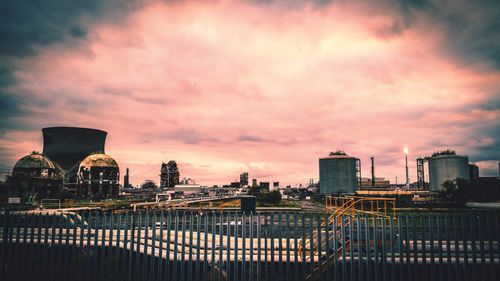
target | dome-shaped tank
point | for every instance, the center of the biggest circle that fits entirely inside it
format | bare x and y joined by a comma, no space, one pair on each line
98,175
445,166
338,173
35,165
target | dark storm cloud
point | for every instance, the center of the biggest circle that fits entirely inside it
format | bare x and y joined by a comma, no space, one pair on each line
30,25
471,26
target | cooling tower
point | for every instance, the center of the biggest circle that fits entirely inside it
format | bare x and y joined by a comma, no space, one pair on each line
68,146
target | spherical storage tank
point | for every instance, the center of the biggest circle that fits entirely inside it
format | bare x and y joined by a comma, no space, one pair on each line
99,176
445,166
337,173
35,165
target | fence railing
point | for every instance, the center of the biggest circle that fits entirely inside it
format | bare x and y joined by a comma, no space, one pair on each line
239,246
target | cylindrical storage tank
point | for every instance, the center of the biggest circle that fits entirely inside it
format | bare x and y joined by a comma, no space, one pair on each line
67,146
447,166
337,173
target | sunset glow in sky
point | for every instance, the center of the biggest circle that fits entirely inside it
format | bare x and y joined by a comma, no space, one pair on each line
266,87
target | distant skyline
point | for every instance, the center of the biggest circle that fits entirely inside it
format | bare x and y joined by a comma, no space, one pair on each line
267,87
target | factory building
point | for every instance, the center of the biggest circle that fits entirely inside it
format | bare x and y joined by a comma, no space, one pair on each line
244,178
473,171
169,175
338,173
375,182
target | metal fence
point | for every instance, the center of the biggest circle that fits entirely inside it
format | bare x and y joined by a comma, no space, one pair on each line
238,246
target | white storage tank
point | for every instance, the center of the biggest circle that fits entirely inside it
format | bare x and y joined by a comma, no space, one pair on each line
446,165
338,173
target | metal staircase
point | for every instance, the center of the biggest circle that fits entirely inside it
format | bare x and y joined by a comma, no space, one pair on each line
339,207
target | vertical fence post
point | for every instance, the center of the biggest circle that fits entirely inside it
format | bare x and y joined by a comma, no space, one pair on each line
328,250
400,246
130,245
103,245
68,257
473,245
243,245
5,239
497,232
431,244
153,258
190,255
90,253
407,241
15,258
259,260
393,249
359,230
183,248
228,246
415,248
144,254
335,248
251,236
235,270
287,231
352,245
304,250
176,243
463,226
212,250
271,231
198,244
375,247
138,246
491,231
448,247
342,236
118,249
457,252
109,254
161,247
221,246
384,249
168,261
280,246
296,245
423,229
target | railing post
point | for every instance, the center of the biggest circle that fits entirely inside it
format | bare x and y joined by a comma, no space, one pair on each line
5,239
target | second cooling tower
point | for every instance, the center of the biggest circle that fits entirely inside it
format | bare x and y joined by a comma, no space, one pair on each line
338,173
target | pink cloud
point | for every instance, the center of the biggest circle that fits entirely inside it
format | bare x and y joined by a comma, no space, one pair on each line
235,87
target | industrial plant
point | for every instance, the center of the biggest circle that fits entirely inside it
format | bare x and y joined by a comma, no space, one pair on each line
340,227
73,163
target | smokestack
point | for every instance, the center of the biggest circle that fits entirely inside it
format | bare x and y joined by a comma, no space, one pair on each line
406,161
373,171
126,180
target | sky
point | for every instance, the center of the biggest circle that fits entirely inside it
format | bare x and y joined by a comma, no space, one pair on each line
266,87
